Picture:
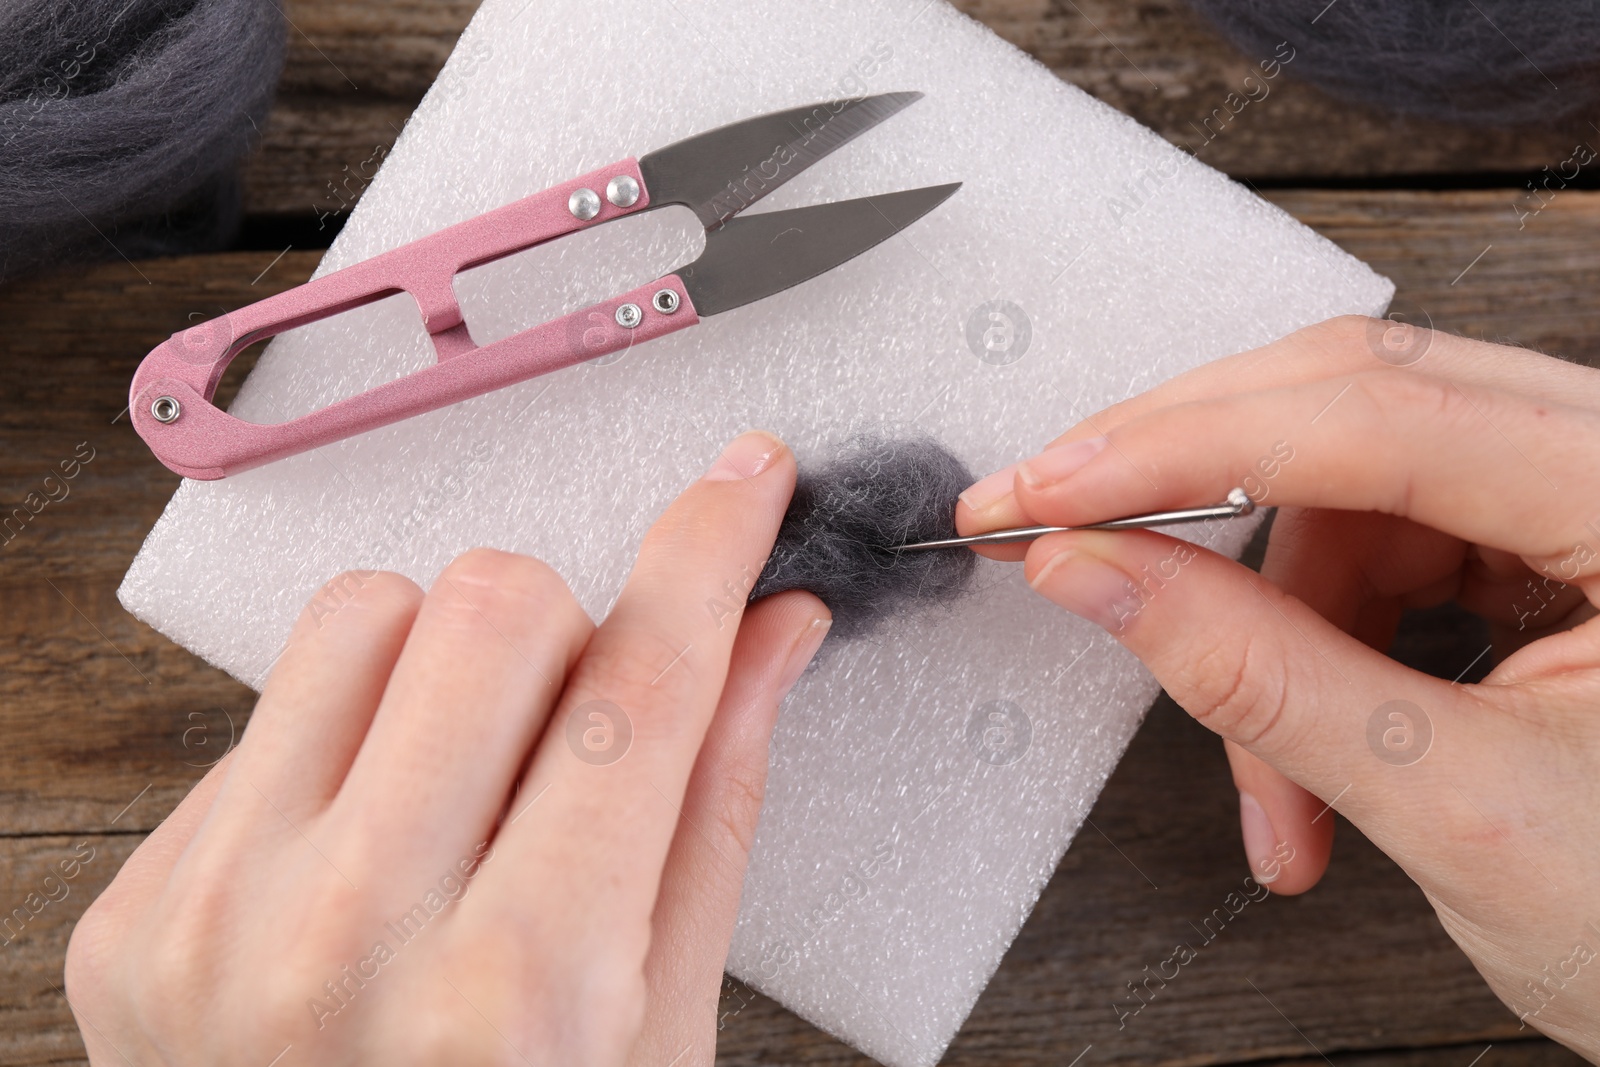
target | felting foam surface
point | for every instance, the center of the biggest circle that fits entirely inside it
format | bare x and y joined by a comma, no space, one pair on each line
926,781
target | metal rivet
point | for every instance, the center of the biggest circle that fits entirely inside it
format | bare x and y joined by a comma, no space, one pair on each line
666,301
584,204
629,316
165,409
622,191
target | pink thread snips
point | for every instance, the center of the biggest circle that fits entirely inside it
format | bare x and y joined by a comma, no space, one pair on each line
716,174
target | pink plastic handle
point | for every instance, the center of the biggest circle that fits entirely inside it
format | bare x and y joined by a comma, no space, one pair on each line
205,442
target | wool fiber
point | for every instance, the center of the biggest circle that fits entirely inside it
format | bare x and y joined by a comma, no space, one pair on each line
837,538
1439,59
122,123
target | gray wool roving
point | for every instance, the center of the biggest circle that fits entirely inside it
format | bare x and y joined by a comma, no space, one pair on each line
122,122
1489,62
836,538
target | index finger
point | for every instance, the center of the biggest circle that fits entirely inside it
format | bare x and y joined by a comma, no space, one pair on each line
1349,345
603,795
1315,353
1490,467
1337,348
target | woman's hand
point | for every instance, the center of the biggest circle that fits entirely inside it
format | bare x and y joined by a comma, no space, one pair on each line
470,827
1411,468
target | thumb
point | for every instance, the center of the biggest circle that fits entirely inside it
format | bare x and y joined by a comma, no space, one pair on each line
1261,669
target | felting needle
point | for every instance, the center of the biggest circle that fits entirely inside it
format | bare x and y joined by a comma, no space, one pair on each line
1237,504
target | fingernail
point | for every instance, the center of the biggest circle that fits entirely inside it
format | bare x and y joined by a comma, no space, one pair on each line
745,457
990,490
1089,586
1055,464
1260,842
801,654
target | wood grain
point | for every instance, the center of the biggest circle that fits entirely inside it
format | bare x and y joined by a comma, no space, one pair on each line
1466,262
108,724
354,71
97,706
1164,65
313,148
41,906
340,48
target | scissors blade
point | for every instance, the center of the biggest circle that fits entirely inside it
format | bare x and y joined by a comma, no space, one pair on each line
719,173
754,256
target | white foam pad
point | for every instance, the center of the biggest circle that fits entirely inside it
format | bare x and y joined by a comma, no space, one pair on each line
899,851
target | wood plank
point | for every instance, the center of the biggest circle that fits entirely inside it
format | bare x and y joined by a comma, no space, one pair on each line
375,48
1469,263
98,706
314,157
355,69
41,905
1534,1053
1163,64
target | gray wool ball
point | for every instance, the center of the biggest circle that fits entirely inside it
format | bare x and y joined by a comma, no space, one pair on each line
122,123
1492,62
837,538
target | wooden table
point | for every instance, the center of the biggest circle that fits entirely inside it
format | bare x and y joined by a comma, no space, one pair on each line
107,724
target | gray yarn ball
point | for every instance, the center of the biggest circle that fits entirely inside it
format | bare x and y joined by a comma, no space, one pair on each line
1491,62
122,123
837,538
